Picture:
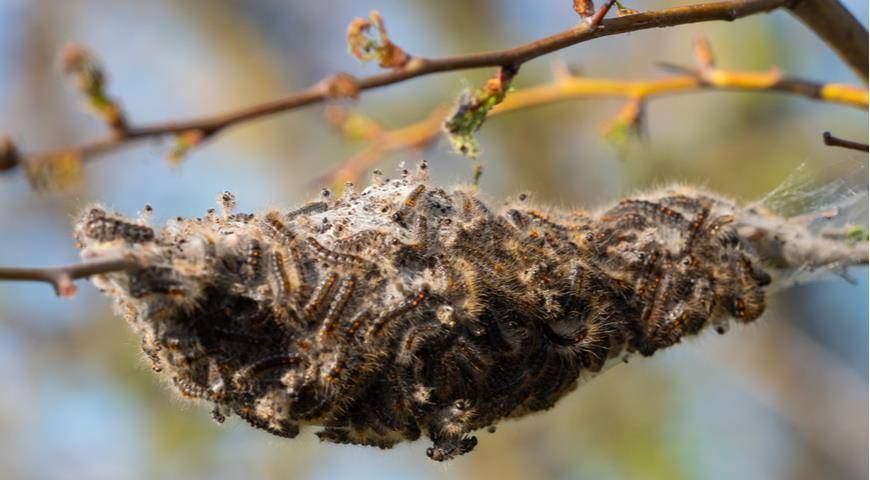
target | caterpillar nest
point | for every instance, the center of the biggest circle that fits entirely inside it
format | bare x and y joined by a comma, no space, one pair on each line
407,309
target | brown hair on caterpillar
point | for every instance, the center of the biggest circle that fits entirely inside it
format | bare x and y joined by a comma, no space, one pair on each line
409,309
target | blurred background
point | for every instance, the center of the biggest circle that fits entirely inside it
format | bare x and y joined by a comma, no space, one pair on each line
786,397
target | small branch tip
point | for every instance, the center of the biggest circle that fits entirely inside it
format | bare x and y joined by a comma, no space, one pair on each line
833,141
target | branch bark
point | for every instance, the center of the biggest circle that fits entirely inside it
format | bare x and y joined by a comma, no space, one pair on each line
571,88
833,141
833,23
208,126
61,278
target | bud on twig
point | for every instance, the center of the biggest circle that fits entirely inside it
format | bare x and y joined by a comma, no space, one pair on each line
9,156
363,45
55,171
341,85
703,54
584,8
626,124
90,80
183,143
623,11
472,108
562,70
352,124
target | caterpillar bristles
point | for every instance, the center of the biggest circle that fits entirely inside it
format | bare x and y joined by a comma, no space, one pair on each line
407,309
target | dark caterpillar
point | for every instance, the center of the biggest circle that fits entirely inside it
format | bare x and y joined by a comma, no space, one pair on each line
409,310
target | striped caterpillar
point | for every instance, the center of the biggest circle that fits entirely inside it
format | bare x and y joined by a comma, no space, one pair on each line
407,309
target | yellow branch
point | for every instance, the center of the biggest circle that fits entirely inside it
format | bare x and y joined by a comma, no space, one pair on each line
576,88
837,92
582,87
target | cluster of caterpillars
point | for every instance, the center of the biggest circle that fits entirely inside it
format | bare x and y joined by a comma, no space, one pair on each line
407,310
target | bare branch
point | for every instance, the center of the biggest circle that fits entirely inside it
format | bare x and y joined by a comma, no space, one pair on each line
833,23
568,87
61,278
381,142
206,127
833,141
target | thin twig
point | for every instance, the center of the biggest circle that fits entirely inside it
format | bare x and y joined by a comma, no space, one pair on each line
61,278
833,23
596,19
833,141
416,67
415,136
566,88
724,80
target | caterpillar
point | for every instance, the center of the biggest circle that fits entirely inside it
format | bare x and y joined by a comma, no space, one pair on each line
408,310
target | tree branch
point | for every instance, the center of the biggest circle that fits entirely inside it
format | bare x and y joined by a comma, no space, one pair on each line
833,141
61,278
833,23
566,88
337,85
725,80
781,243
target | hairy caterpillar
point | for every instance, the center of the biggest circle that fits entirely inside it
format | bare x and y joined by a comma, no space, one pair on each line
407,309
